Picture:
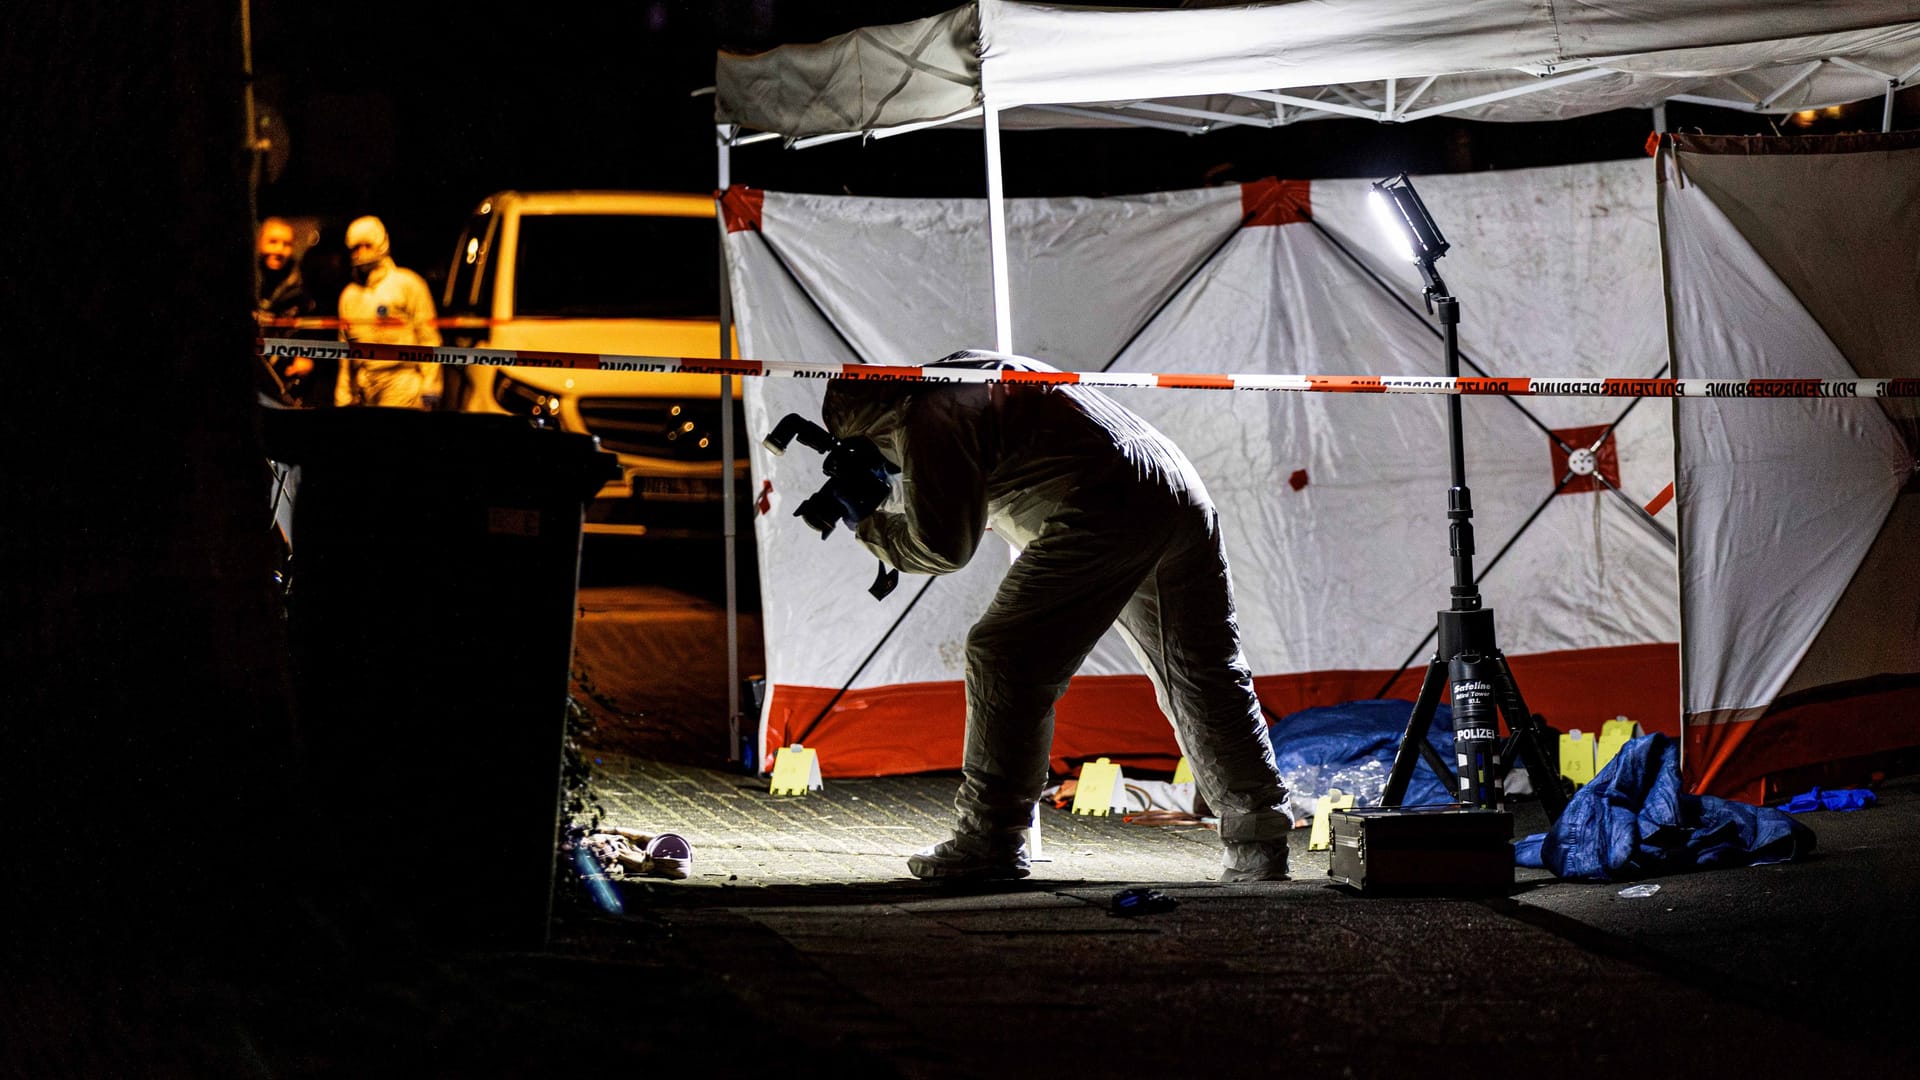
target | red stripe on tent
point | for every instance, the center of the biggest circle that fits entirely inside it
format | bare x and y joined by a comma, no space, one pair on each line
920,727
1369,384
1194,382
1661,500
743,208
1829,735
864,371
890,730
885,731
1276,202
1571,688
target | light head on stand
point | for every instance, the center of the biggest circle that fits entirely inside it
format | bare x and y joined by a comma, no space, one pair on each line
1404,219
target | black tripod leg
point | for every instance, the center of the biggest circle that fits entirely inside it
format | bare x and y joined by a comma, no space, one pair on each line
1415,740
1529,738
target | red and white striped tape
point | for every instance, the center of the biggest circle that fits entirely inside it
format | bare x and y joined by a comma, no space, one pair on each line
1336,384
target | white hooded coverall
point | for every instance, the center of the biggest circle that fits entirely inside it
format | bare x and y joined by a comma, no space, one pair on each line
392,306
1112,524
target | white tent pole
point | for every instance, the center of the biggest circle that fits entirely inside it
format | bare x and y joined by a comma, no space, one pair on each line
1886,112
1785,88
728,523
1123,118
997,232
1660,117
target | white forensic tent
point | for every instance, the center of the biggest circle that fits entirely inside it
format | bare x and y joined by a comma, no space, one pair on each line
1557,269
1334,506
1793,259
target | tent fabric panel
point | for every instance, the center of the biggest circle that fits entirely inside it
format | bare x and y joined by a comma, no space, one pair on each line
1863,188
1035,53
1579,243
893,730
1781,501
1867,631
874,77
1749,757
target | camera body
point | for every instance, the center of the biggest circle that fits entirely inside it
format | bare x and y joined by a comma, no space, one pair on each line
857,474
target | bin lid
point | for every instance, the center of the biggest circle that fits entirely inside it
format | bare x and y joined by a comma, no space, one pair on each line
507,449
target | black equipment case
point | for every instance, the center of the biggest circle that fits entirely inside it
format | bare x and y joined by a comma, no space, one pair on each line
1423,849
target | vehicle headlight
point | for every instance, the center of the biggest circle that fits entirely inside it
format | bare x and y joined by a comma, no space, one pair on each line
522,400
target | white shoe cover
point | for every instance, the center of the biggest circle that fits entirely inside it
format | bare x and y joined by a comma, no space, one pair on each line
1254,861
948,860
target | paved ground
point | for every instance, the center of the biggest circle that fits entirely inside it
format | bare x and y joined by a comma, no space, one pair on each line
799,908
798,945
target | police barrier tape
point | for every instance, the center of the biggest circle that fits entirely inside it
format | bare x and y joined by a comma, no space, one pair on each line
446,322
1339,384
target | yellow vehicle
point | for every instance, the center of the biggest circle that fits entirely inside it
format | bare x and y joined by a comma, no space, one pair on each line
627,272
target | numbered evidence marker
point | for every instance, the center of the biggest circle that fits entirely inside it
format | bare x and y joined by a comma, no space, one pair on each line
796,771
1614,734
1577,761
1320,837
1101,790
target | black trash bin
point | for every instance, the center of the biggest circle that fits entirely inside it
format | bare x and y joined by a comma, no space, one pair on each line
430,612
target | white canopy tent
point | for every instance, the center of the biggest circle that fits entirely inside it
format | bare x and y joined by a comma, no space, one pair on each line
1010,62
1006,64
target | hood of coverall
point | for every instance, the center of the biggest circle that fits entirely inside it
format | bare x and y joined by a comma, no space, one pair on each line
367,230
862,407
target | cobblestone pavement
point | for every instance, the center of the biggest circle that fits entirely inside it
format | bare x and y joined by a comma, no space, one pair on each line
862,830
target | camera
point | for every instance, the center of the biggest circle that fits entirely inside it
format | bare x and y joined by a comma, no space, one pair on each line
856,474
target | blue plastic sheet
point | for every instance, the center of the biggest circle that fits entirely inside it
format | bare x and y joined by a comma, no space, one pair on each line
1830,799
1632,821
1350,747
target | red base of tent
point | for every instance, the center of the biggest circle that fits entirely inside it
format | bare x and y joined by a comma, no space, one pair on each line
1834,736
919,727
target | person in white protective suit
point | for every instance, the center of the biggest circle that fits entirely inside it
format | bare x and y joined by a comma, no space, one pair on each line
1112,524
385,304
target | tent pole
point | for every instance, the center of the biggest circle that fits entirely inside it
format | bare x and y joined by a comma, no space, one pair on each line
997,232
728,518
1886,111
1660,117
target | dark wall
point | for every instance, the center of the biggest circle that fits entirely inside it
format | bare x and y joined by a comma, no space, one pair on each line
147,755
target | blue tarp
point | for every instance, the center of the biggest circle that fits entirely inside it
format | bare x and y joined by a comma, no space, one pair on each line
1841,799
1350,747
1632,821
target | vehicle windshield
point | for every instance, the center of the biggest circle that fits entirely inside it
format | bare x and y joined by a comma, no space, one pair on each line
617,266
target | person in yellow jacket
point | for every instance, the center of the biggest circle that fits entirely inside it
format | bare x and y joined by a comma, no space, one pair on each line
385,304
1112,525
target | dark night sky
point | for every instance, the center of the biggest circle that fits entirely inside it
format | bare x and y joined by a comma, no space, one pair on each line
416,117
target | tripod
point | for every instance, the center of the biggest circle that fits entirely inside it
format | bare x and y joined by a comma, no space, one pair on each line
1467,660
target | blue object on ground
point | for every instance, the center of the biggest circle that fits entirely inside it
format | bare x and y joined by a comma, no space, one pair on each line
1632,821
1830,799
1350,746
594,878
1130,902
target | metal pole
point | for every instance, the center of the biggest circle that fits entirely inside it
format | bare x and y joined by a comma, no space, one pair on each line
1886,112
728,524
997,233
1660,117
